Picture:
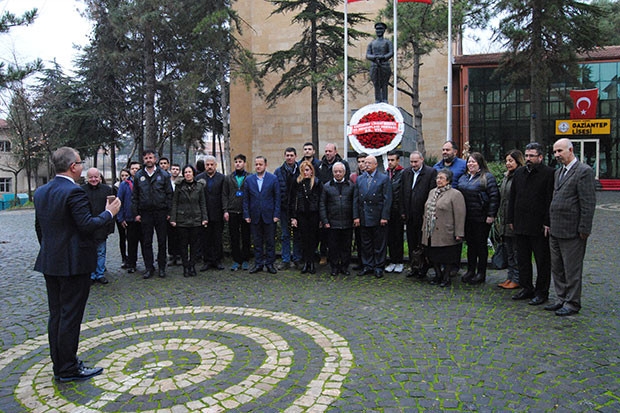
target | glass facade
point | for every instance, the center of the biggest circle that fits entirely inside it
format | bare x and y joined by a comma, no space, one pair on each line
499,115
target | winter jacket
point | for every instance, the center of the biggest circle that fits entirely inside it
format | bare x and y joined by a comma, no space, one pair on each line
232,193
189,207
304,200
151,193
336,206
481,199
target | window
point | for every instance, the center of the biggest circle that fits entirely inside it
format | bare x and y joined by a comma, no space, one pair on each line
5,146
5,185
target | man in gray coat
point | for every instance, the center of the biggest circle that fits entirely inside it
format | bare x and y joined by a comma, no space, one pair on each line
571,212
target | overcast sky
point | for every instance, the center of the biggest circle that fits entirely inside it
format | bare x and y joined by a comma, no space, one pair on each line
56,29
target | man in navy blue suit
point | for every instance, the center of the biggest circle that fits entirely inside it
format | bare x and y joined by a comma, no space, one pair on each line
371,211
68,255
261,209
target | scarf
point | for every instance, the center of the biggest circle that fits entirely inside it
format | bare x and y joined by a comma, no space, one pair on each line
431,208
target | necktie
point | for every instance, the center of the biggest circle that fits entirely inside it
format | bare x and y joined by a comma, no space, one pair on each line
563,173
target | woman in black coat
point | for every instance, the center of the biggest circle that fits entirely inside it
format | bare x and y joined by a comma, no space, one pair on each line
304,212
189,213
479,188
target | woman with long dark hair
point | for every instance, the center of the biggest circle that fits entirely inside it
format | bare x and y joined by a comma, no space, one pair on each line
479,188
304,212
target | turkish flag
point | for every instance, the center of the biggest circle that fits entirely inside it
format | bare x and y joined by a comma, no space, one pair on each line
415,1
584,104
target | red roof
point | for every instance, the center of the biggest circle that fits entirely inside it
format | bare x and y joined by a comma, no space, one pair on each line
492,59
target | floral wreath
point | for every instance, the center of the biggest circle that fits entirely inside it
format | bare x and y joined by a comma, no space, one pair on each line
376,129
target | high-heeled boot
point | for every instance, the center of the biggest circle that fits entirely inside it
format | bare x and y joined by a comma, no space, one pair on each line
438,275
312,269
305,268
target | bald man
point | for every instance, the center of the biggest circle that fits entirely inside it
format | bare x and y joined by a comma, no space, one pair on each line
571,213
372,202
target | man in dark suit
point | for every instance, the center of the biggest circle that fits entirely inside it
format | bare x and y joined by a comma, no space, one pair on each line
67,256
417,182
528,214
212,234
371,211
261,209
571,212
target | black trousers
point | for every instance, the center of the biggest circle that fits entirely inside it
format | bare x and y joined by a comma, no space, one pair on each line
212,248
154,221
134,235
476,235
239,237
340,248
189,240
414,234
539,246
374,247
308,227
66,296
174,242
395,238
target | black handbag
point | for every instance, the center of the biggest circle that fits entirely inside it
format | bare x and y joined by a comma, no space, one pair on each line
500,257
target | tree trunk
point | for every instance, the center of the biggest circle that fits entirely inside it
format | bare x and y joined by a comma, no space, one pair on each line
415,103
150,138
538,82
314,94
226,161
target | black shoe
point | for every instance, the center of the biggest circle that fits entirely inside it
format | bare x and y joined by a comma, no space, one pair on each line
446,281
284,265
305,268
365,271
192,271
345,271
204,267
272,269
565,311
553,307
538,300
123,265
148,274
255,269
478,279
378,273
131,270
162,272
312,269
523,295
102,280
219,266
357,267
186,272
468,276
83,373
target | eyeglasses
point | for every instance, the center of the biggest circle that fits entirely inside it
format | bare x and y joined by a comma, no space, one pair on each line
79,162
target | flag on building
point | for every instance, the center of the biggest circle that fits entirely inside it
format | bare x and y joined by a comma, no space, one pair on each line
584,104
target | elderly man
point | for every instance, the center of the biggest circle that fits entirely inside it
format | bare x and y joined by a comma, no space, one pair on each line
68,255
371,212
97,194
212,234
571,213
336,209
417,182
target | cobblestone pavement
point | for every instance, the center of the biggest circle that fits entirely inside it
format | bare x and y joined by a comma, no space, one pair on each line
291,342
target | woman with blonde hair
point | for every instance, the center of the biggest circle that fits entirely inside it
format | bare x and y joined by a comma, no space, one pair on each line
304,212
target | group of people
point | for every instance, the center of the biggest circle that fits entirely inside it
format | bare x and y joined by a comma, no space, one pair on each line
542,212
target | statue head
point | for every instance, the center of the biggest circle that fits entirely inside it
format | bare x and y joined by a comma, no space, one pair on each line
380,28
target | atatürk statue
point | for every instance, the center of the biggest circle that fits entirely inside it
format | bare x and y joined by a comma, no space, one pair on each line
379,52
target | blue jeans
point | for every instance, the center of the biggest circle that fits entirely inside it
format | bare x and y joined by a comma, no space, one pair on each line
285,222
101,251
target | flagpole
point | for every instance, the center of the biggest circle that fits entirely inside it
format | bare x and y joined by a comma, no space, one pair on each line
449,87
345,147
395,17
